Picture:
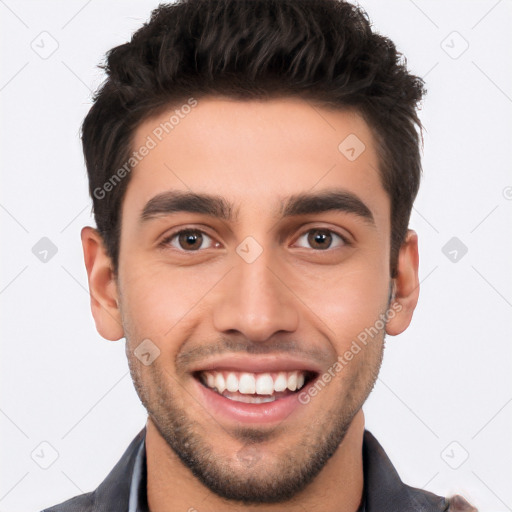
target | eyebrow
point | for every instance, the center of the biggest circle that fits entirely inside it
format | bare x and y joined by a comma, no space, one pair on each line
175,201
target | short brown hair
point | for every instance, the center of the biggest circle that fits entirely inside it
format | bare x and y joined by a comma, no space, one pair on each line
320,50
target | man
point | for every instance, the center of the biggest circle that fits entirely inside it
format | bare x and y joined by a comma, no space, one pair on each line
253,166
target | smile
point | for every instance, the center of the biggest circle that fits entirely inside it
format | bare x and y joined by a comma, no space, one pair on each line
247,389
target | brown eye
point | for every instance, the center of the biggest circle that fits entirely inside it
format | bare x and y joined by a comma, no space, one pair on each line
189,240
322,239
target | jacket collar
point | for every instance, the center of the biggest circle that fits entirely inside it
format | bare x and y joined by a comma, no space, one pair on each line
116,486
385,491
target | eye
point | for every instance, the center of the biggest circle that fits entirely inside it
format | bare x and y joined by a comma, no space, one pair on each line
189,240
322,239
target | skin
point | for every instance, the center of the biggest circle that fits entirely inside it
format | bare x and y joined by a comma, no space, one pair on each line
296,298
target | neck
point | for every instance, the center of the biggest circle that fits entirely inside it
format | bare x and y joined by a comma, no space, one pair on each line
338,487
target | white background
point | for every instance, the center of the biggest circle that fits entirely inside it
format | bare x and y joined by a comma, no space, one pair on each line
446,379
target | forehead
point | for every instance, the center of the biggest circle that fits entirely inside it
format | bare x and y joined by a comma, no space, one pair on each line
255,153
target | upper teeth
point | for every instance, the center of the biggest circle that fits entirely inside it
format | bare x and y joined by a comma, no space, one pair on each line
250,383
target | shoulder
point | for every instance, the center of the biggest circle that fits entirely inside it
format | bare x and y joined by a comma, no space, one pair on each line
424,500
81,503
385,491
115,488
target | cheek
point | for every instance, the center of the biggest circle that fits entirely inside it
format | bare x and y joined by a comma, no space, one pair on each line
157,299
346,303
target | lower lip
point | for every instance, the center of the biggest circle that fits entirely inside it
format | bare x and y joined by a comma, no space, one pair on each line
269,412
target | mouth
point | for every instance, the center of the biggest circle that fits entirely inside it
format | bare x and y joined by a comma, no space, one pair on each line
255,388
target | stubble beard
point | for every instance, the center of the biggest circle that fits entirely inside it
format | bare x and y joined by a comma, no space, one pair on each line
248,477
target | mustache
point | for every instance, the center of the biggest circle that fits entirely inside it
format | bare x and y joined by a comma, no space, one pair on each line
226,346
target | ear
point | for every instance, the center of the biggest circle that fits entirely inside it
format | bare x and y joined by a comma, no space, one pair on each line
102,286
406,286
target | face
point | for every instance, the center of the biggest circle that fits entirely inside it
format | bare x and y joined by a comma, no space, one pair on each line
253,255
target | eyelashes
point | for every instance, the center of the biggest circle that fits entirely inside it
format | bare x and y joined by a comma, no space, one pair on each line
317,231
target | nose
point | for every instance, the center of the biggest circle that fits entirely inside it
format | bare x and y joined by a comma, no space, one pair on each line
255,300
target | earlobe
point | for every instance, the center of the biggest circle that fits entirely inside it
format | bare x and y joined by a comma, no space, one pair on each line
102,286
406,286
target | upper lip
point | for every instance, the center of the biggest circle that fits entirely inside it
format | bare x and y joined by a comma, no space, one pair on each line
258,364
